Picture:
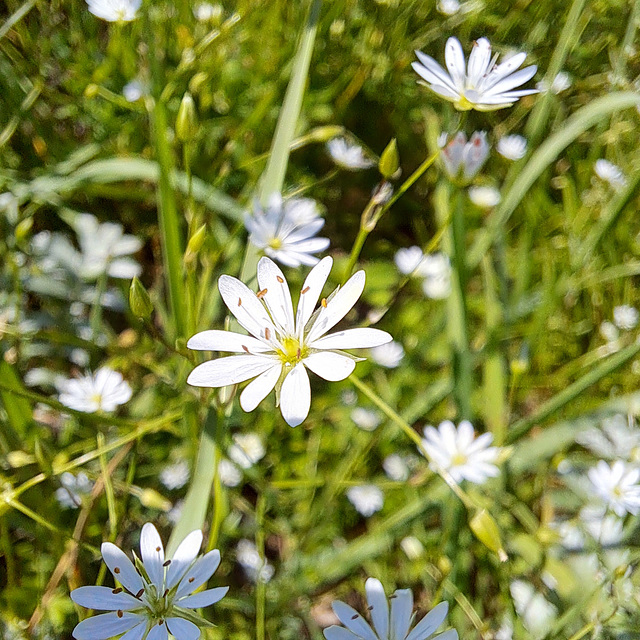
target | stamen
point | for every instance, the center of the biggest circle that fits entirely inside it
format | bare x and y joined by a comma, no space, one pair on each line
120,613
191,579
355,617
245,348
167,563
118,590
160,622
267,333
166,593
116,570
324,302
305,290
392,596
279,279
239,302
370,608
299,353
139,593
261,294
158,549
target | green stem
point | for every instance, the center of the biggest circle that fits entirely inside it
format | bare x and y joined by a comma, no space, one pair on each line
96,308
355,253
261,585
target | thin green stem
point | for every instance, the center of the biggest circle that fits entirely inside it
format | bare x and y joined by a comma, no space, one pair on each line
355,253
96,308
261,585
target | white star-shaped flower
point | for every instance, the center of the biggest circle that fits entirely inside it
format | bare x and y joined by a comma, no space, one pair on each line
114,10
104,390
618,486
483,85
282,346
366,499
156,597
348,155
512,147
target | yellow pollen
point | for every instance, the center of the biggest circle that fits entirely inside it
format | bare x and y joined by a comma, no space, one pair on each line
97,398
275,243
292,351
458,459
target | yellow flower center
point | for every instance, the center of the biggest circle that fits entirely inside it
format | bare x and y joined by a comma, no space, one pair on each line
275,243
463,104
458,459
293,352
97,398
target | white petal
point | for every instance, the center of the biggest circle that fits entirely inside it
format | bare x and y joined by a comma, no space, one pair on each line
330,365
152,552
378,606
104,598
277,296
158,632
351,619
431,71
295,396
121,567
215,340
512,81
352,339
454,58
185,554
310,292
137,633
229,370
257,390
430,623
504,69
338,307
203,598
183,629
334,632
401,609
201,571
105,626
479,61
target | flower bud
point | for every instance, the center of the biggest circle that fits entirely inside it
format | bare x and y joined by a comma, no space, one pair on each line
195,244
187,120
139,300
389,165
460,156
486,530
153,500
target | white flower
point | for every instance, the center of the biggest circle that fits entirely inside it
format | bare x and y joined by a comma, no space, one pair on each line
282,348
175,475
387,625
133,91
246,450
388,355
610,173
459,452
348,155
536,612
256,568
114,10
625,317
484,197
560,83
412,547
619,438
483,86
512,147
205,11
408,259
448,7
69,495
366,419
609,331
395,467
605,529
285,230
436,271
156,597
366,499
617,485
460,156
105,390
230,475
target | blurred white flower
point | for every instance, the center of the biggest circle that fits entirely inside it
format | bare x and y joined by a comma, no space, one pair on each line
155,601
412,547
483,85
388,355
610,173
484,197
366,419
560,83
176,475
175,512
69,495
255,567
230,475
104,390
459,452
609,331
466,158
366,499
625,317
536,612
605,528
448,7
205,11
348,155
618,438
285,230
436,271
395,467
115,10
617,485
512,147
408,259
133,91
246,450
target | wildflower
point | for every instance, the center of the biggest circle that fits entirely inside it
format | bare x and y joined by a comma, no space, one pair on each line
176,475
609,331
387,627
618,438
105,390
395,467
436,271
133,91
536,612
388,355
408,260
610,173
205,11
459,452
625,317
412,547
560,83
348,155
512,147
285,230
156,597
230,475
366,499
246,450
69,495
483,86
256,568
114,10
460,156
617,486
484,197
448,7
366,419
281,347
606,529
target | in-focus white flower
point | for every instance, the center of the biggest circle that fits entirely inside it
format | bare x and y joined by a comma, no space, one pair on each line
619,438
114,10
395,467
625,317
281,347
436,271
609,331
105,390
484,197
366,419
460,157
512,147
459,452
610,173
157,595
560,83
69,495
348,155
536,612
255,567
387,625
246,450
408,259
483,85
448,7
366,499
230,475
133,91
617,486
412,547
176,475
285,230
388,355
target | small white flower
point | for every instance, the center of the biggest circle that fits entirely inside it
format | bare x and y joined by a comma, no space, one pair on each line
246,450
560,83
619,438
175,475
286,231
395,467
484,197
609,331
512,147
104,390
448,7
348,155
387,627
412,547
155,593
133,91
466,158
605,529
205,11
230,475
483,85
256,568
366,499
281,348
114,10
617,486
388,355
69,495
536,612
625,317
459,452
366,419
408,259
610,173
436,271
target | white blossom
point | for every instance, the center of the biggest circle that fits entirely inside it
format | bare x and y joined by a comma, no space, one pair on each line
448,7
176,475
104,390
465,159
625,317
617,485
115,10
536,612
205,11
256,568
618,438
348,155
412,547
366,419
407,260
388,355
133,91
366,499
484,197
246,450
230,475
69,495
483,85
560,83
610,173
609,331
395,467
512,147
436,271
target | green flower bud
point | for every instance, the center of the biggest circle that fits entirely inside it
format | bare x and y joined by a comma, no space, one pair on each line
187,120
195,244
389,165
486,530
153,500
139,300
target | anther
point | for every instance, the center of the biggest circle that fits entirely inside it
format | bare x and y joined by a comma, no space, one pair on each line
139,593
239,302
392,596
299,353
261,294
370,608
267,333
117,590
160,622
158,549
324,302
120,613
191,579
355,617
116,570
279,279
305,290
167,563
245,348
166,593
